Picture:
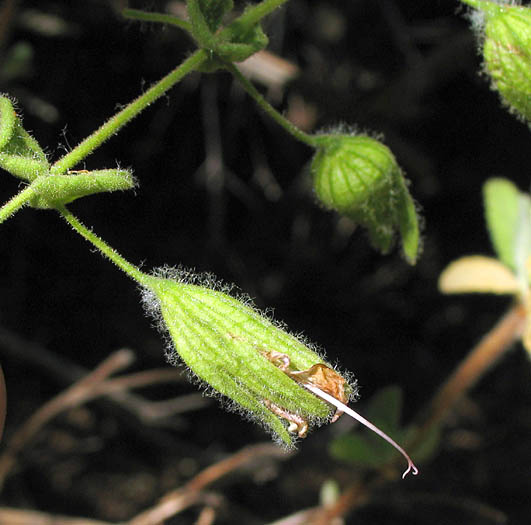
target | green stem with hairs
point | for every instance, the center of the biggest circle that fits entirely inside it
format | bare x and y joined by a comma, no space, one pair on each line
121,118
253,15
17,202
249,17
130,269
300,135
144,16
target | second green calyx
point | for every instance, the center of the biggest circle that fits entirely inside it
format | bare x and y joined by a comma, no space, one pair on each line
358,177
505,32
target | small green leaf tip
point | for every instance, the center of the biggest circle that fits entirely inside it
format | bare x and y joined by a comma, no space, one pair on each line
236,351
359,177
213,12
57,190
20,153
505,30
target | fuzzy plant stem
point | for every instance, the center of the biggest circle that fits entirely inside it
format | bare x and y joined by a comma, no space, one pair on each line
130,269
121,118
144,16
306,138
14,204
253,15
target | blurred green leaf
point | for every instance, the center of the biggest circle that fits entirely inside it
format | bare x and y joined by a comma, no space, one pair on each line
17,63
501,199
357,449
365,448
427,449
522,249
385,408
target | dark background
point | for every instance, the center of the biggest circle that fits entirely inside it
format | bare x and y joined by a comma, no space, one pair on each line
408,70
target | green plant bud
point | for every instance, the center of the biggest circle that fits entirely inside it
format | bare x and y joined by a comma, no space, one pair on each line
359,177
20,153
245,41
214,10
57,190
506,35
201,31
235,350
240,45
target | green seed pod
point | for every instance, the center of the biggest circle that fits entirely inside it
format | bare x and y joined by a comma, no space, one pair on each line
359,177
232,348
506,35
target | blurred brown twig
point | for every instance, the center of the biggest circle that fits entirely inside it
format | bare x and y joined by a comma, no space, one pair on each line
93,385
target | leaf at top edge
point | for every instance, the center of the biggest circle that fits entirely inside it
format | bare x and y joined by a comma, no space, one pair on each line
501,199
478,274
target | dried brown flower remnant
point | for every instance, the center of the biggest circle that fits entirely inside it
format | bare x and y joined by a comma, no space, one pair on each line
327,384
319,375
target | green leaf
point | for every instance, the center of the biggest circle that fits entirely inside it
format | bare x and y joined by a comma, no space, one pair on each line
16,62
508,215
501,199
522,249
